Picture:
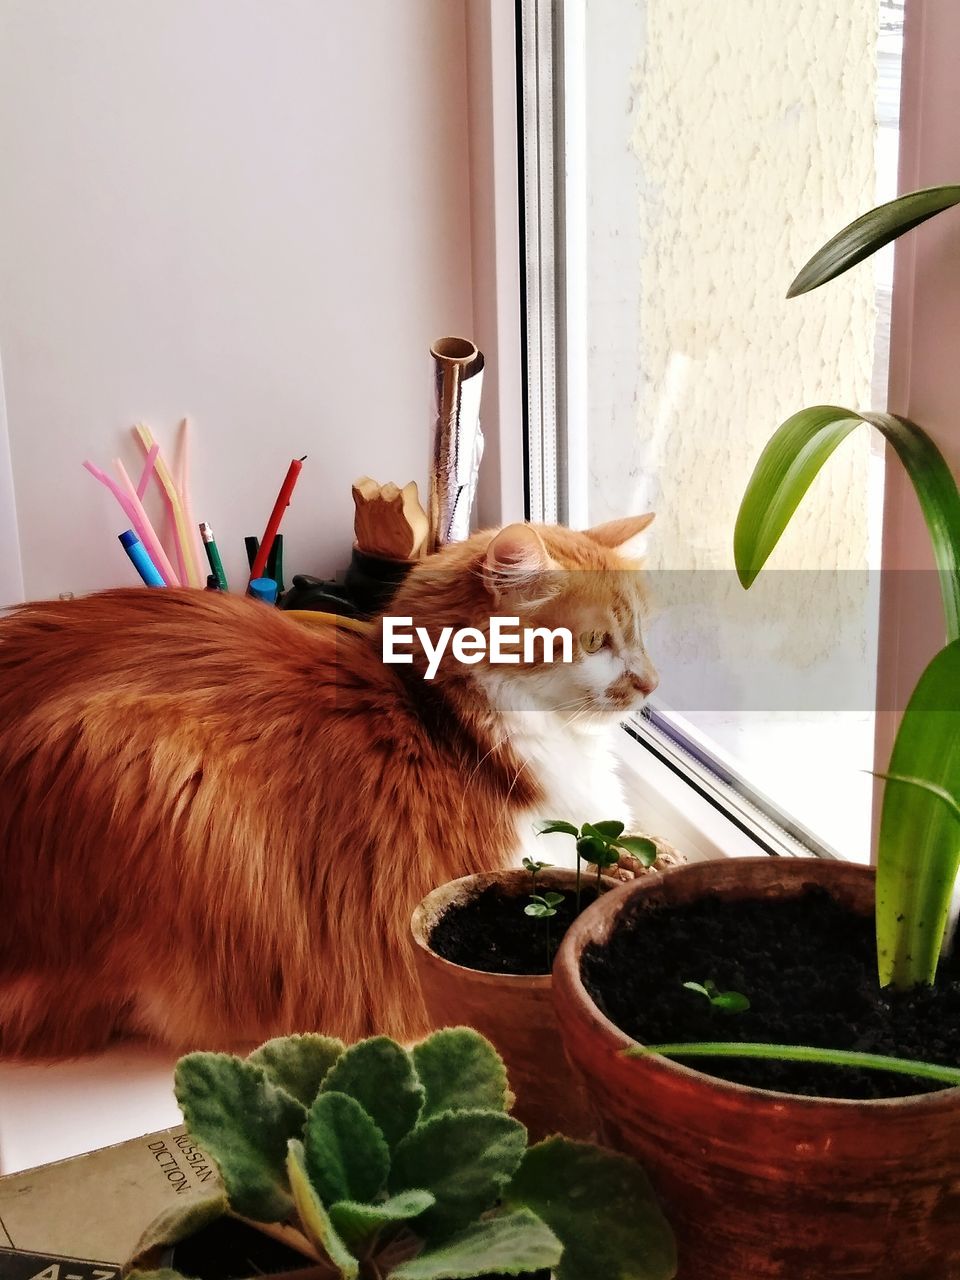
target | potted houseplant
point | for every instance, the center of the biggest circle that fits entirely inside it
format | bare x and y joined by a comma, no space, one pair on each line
821,1136
484,947
375,1162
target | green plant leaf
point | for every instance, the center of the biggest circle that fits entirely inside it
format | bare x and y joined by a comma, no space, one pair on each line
539,910
600,854
380,1075
298,1064
601,1206
794,455
464,1158
175,1224
553,899
547,828
460,1070
357,1223
640,847
870,232
730,1002
314,1218
594,849
533,866
699,988
608,830
243,1122
919,840
347,1155
930,787
801,1053
509,1245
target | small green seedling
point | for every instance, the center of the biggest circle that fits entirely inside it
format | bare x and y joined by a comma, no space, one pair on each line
601,844
725,1001
544,907
534,867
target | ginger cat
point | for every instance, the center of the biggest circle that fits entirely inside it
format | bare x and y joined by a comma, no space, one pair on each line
215,822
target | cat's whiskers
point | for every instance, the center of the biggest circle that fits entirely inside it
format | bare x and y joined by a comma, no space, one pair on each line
579,705
487,754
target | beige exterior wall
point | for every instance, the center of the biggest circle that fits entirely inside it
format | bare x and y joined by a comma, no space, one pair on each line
747,138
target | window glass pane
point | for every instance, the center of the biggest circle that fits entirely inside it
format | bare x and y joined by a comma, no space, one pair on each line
724,143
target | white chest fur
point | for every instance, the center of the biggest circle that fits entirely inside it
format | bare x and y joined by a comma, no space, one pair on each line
576,769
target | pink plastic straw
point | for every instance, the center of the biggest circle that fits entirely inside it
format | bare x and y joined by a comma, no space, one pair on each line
133,509
147,472
154,543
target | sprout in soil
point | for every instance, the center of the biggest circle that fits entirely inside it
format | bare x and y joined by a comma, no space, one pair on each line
725,1001
377,1162
601,844
534,867
544,907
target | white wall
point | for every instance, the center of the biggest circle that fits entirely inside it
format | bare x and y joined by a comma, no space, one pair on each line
253,213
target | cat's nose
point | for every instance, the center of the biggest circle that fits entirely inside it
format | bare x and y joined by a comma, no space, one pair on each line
645,681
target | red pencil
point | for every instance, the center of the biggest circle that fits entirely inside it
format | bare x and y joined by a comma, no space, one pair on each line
276,515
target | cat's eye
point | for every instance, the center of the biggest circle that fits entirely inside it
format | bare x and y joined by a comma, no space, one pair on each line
593,641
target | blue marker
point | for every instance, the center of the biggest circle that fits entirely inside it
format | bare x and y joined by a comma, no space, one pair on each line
141,560
264,589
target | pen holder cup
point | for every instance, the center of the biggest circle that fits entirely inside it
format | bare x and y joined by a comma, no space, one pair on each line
308,594
372,581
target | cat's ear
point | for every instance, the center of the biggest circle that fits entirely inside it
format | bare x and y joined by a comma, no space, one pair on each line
621,535
516,560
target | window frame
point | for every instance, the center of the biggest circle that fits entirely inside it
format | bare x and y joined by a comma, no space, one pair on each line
924,377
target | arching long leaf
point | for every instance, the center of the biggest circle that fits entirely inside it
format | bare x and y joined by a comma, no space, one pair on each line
919,846
801,1053
791,461
870,232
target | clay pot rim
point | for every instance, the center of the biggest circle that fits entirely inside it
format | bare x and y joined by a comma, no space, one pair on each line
428,911
594,924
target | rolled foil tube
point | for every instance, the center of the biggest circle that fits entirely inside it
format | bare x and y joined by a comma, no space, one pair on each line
457,439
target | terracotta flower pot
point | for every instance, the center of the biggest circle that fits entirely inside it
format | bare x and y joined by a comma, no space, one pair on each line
515,1012
762,1184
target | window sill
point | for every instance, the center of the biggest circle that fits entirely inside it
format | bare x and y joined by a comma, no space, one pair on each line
674,798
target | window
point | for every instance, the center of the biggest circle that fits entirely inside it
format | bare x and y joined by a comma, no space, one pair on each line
678,171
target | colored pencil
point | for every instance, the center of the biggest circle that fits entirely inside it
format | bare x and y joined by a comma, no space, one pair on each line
276,515
213,555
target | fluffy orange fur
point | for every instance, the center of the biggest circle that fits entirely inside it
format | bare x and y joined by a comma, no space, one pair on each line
215,823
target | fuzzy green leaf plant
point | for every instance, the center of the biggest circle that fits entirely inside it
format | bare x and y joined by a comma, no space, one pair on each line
919,839
382,1163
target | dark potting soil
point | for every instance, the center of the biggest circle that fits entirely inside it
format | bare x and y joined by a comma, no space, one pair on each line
808,967
230,1250
492,933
